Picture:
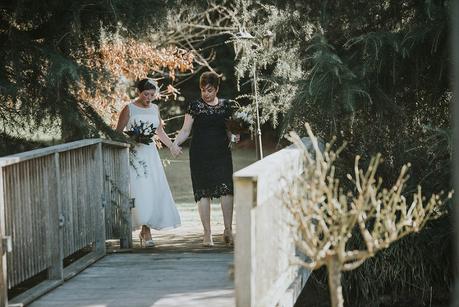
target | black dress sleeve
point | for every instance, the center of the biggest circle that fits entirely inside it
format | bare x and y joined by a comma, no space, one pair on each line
191,108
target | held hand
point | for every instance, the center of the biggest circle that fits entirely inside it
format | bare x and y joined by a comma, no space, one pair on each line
235,138
175,150
179,150
238,138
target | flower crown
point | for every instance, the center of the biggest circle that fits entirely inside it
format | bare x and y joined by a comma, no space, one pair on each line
148,84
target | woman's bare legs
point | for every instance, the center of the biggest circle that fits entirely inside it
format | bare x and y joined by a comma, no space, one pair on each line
227,209
204,214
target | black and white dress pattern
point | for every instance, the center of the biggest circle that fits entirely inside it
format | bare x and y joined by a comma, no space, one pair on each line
210,156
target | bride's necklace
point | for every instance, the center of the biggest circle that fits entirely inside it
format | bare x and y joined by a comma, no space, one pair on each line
141,104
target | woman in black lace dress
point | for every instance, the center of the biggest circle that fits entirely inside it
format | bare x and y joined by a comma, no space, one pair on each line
210,156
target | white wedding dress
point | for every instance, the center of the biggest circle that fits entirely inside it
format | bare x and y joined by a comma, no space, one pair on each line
154,205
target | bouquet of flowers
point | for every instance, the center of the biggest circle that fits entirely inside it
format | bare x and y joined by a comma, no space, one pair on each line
141,132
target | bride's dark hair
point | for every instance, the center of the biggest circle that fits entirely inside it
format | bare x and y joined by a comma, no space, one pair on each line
147,84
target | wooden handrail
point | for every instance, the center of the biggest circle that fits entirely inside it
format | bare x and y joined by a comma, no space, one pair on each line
264,275
54,202
37,153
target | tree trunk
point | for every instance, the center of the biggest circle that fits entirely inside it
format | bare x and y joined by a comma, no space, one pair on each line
334,282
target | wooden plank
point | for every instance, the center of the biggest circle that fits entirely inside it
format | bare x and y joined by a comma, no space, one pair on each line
293,292
98,191
80,196
245,198
167,279
10,226
36,153
42,216
65,197
75,173
78,266
34,293
3,268
126,220
27,155
270,171
54,229
72,247
109,209
90,181
116,191
18,202
27,222
35,187
115,143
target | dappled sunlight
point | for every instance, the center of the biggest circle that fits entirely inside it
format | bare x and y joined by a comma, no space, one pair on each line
196,298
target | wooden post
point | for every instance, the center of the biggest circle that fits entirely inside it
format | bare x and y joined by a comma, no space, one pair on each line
126,221
245,200
98,190
455,125
54,228
3,280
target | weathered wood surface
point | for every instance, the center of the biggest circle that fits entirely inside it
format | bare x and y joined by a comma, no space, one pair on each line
264,273
148,279
177,272
23,156
117,195
51,204
3,277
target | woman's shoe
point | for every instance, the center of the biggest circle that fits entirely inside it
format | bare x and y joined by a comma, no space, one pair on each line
145,237
149,243
207,240
228,237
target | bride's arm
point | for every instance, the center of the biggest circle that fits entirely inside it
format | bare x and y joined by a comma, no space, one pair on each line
162,135
123,119
185,131
164,138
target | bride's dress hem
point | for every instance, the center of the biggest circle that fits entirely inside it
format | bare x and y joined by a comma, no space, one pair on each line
158,227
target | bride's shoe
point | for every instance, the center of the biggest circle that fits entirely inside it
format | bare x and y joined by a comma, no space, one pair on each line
207,240
145,237
228,237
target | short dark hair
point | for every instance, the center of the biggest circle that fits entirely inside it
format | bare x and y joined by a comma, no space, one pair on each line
209,78
147,84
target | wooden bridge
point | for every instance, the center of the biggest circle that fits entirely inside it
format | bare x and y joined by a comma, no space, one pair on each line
65,228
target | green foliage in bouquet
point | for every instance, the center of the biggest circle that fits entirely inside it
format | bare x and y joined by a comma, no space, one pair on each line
141,132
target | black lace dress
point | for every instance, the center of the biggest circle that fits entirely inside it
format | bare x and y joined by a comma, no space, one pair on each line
210,156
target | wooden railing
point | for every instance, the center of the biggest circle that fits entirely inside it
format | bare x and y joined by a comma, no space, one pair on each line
55,202
264,245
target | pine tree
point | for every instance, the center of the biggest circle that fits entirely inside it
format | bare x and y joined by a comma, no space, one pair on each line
42,44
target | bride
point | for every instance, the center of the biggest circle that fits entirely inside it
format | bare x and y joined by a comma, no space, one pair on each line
154,205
